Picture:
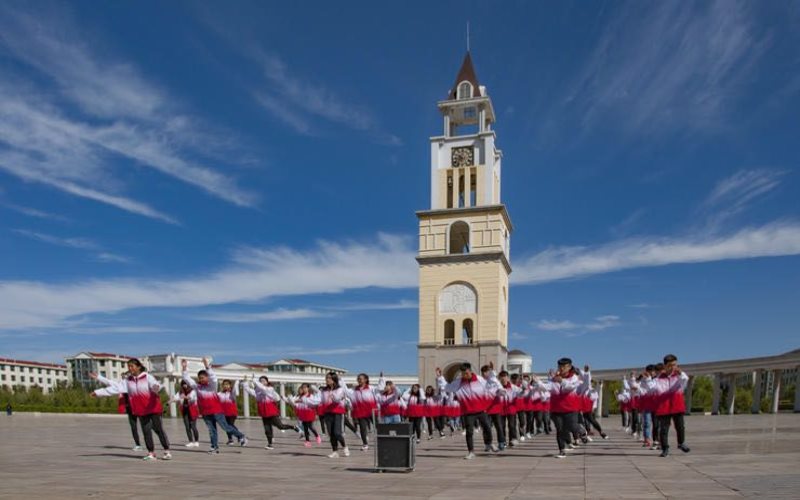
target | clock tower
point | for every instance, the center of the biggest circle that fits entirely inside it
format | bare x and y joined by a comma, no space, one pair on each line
464,239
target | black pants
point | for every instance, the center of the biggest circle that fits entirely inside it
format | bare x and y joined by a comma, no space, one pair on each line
269,423
625,423
335,426
133,420
663,429
191,427
232,422
308,429
150,424
363,429
439,423
566,425
498,422
538,417
590,420
512,425
416,425
469,425
547,427
635,426
656,428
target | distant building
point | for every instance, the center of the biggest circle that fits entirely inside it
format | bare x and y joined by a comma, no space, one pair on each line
519,361
28,374
106,364
299,366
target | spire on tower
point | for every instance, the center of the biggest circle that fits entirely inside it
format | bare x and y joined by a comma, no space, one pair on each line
466,73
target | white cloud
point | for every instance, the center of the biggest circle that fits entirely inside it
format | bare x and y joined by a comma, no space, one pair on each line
43,139
33,212
670,66
280,314
375,306
254,274
298,102
79,243
571,328
559,263
734,194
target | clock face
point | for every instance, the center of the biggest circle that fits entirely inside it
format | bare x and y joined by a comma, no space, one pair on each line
462,157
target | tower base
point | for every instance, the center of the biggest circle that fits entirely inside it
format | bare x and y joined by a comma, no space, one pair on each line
450,357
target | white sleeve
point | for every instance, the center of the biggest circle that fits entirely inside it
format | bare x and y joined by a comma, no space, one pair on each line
189,380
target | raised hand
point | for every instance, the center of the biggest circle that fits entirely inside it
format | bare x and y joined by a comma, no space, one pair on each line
92,395
184,364
381,374
491,365
93,375
586,368
205,362
438,372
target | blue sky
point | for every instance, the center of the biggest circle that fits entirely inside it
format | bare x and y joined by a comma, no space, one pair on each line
183,177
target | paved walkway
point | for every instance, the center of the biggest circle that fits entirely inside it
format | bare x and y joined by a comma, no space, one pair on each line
70,456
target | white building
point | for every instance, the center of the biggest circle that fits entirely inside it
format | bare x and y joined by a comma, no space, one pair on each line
300,366
106,364
28,374
519,361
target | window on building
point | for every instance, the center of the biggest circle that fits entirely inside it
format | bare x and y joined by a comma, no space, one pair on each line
459,237
450,190
39,370
470,113
13,378
449,332
41,380
465,90
461,200
466,332
102,362
22,378
473,189
11,368
3,377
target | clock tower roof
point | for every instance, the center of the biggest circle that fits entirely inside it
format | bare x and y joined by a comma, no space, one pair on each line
466,73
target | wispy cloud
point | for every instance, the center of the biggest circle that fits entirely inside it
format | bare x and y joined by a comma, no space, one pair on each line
374,306
298,102
641,305
67,126
254,274
669,66
734,194
572,329
280,314
79,243
33,212
559,263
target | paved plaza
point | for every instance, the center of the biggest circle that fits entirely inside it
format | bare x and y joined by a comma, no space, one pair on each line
72,456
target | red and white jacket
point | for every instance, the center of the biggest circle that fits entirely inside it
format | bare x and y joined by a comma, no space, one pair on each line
434,405
142,391
305,407
267,399
668,391
473,395
333,400
391,404
207,398
187,403
228,400
365,399
452,408
564,397
415,405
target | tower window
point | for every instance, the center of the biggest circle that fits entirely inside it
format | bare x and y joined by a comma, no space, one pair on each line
449,190
459,237
449,332
461,200
464,90
466,332
473,188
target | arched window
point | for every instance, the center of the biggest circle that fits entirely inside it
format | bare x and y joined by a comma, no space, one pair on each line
458,298
466,332
464,90
449,332
459,237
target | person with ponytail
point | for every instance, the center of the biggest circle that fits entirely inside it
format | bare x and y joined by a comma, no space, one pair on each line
186,398
267,400
414,401
123,406
332,403
305,405
228,397
364,400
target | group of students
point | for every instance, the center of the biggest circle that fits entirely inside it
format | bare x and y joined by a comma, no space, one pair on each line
653,400
514,406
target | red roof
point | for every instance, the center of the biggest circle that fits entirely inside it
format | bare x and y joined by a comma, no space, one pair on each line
467,72
33,363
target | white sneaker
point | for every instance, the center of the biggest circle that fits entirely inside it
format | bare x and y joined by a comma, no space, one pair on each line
189,445
469,456
514,442
463,433
150,457
529,436
137,448
269,447
589,438
570,446
346,451
493,448
167,456
335,454
365,447
521,438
